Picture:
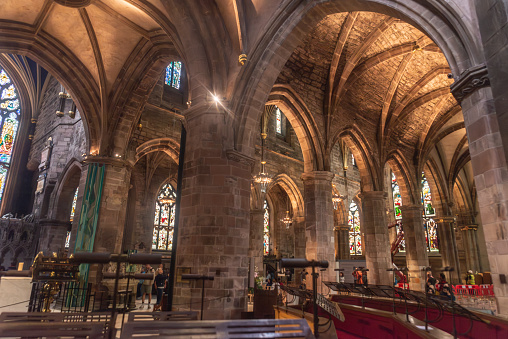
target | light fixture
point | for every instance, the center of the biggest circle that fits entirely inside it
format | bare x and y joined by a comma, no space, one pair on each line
215,98
287,220
263,178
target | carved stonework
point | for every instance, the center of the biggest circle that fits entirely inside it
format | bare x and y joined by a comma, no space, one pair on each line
240,157
472,79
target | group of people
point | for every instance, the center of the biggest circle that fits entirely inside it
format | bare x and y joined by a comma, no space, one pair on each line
159,282
360,276
443,288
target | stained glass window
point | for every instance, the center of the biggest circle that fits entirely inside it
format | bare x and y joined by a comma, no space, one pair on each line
278,124
164,220
355,239
73,208
431,235
266,229
9,121
429,224
427,197
397,200
68,239
174,74
353,161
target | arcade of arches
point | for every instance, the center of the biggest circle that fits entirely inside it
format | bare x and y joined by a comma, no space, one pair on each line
396,109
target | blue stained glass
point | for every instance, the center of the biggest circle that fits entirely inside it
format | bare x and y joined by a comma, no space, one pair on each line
173,74
9,121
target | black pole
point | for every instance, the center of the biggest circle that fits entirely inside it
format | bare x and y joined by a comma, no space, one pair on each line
202,296
314,294
172,267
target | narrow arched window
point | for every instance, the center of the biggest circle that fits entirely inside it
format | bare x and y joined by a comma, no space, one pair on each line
266,229
355,239
278,121
174,74
71,217
397,204
429,224
9,121
164,221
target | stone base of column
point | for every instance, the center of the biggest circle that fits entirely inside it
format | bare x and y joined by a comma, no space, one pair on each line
52,236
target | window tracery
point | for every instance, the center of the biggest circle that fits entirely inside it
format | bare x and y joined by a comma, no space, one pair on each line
397,203
355,239
164,220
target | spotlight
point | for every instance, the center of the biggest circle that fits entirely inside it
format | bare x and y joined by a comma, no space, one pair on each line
215,98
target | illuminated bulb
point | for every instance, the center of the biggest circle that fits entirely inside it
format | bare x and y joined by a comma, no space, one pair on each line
215,98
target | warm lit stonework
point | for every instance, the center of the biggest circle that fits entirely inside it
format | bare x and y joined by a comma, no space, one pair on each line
395,108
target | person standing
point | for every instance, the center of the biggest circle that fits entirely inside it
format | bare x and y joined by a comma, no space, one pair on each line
160,284
341,277
146,288
470,278
431,283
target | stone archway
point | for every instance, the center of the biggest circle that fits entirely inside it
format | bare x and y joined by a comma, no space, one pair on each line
292,26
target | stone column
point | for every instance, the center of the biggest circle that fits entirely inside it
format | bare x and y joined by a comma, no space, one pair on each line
342,246
214,223
416,247
113,208
471,247
448,247
52,235
319,221
256,238
376,243
484,121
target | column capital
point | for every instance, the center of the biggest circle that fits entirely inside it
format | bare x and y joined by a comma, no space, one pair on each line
237,156
373,195
472,227
342,227
470,80
444,220
318,176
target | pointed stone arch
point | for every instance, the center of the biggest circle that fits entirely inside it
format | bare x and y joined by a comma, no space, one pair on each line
304,125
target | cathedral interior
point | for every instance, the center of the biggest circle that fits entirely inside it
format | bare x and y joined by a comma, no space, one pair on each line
229,134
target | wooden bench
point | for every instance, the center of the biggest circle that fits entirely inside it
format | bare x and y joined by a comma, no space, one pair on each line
42,317
220,329
92,330
163,316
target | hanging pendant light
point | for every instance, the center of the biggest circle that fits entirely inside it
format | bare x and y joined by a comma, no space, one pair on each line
287,220
263,178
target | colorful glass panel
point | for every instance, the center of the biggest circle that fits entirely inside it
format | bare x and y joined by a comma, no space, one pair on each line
164,219
278,123
73,207
427,197
9,122
68,239
173,74
400,232
431,237
355,239
266,229
397,199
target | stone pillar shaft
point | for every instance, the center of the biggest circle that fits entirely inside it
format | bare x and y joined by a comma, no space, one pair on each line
448,247
319,220
376,243
256,238
215,216
416,248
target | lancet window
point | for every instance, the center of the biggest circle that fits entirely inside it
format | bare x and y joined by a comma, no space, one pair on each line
429,224
71,217
355,239
164,221
397,203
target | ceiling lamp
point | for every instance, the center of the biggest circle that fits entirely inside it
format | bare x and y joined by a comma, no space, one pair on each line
263,178
287,220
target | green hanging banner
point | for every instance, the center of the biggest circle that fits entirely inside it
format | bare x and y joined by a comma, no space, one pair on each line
89,216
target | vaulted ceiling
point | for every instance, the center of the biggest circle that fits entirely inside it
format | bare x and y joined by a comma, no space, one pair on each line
388,79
